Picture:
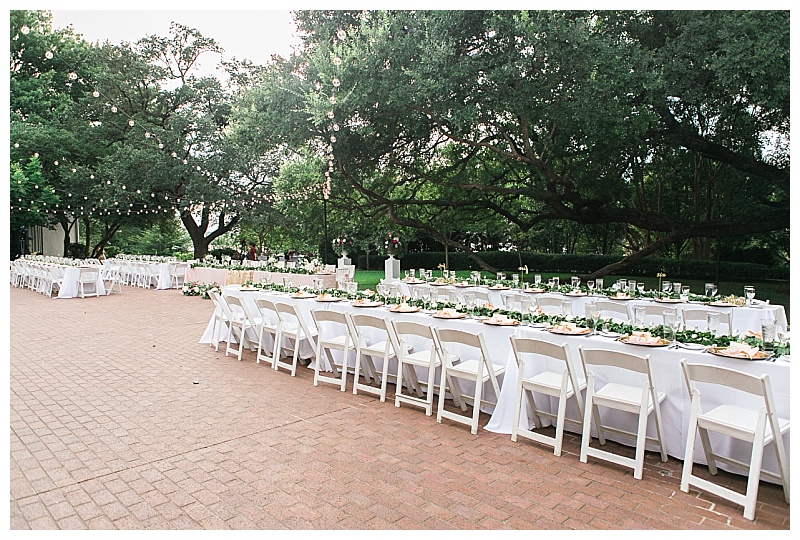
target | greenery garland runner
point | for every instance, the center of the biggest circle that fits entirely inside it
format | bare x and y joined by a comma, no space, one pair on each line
195,288
683,336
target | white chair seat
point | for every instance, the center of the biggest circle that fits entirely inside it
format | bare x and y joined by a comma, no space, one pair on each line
736,421
624,394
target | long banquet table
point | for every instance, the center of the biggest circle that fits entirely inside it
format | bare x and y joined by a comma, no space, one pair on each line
665,361
743,318
239,275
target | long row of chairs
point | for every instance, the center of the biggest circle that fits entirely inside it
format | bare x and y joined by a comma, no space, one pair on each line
141,274
280,332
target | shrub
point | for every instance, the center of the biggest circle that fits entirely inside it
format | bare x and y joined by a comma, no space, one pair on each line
586,264
77,251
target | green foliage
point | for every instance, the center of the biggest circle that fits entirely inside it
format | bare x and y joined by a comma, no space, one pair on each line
586,264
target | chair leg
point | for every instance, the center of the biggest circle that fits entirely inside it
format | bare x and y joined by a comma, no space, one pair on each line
517,407
755,468
586,434
641,435
688,455
562,412
476,406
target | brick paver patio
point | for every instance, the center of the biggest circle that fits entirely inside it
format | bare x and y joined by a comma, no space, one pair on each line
119,419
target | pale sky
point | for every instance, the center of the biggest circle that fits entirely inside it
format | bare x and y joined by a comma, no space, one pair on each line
254,35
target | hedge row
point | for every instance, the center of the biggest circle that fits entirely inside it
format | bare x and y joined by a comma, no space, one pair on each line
586,264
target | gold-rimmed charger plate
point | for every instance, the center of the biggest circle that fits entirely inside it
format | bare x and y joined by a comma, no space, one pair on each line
660,343
721,351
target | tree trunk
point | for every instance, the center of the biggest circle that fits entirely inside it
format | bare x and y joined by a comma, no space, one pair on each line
87,224
66,226
197,233
107,236
633,257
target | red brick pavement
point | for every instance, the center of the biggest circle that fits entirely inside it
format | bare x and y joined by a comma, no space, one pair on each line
108,430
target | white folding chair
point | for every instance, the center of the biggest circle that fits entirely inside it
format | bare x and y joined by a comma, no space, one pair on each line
654,314
698,319
48,282
555,377
381,347
641,400
464,356
110,276
757,424
549,304
270,322
293,327
481,297
88,276
333,334
426,358
220,318
177,274
238,324
613,310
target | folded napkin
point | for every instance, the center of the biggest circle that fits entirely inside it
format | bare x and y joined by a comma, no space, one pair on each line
565,327
644,338
754,334
741,349
447,312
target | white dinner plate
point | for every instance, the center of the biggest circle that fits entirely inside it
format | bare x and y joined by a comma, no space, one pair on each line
609,334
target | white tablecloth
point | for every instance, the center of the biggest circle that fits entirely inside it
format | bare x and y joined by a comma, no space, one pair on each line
239,275
742,318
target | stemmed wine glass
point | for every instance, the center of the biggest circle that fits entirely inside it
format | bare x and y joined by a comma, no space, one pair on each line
590,286
640,287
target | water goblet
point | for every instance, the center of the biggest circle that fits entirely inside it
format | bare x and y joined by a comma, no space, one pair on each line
575,281
685,293
537,279
287,282
352,287
555,281
500,276
666,287
708,288
590,286
598,282
749,294
640,287
429,274
515,280
713,290
632,286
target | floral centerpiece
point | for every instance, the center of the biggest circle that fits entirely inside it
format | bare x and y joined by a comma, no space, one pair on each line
392,244
342,245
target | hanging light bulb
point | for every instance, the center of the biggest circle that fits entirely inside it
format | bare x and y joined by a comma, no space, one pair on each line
48,55
335,127
330,114
332,99
73,75
130,122
95,94
333,138
335,82
341,34
337,61
25,29
113,109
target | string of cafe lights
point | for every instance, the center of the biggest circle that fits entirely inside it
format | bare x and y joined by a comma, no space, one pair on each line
333,127
78,204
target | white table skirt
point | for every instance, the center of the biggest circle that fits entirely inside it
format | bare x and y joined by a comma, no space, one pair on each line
221,276
70,288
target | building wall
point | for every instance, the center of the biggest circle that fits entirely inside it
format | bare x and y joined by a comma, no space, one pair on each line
50,241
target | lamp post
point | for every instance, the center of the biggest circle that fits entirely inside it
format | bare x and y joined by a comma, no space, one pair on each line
325,195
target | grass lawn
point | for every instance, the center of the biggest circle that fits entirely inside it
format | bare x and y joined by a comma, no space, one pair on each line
777,292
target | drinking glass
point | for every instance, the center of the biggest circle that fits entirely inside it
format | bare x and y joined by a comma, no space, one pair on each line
469,302
413,273
515,280
638,316
713,290
429,274
407,274
500,276
590,286
749,294
287,282
713,322
537,279
767,335
640,287
421,273
508,302
555,281
708,288
380,288
666,287
622,285
676,287
632,286
591,316
352,287
525,309
576,282
566,307
599,283
670,320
